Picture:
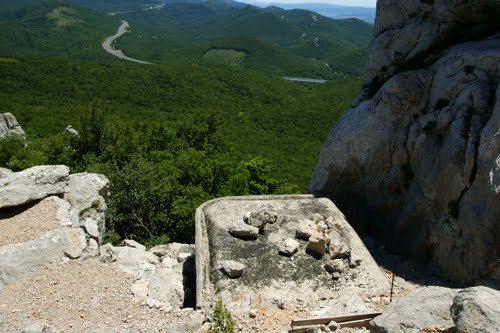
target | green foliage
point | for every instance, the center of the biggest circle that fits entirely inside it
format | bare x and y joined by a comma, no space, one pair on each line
284,122
9,146
225,57
222,319
54,28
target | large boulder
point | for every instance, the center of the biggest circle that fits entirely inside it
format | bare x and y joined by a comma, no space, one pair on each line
429,306
9,125
19,188
416,160
477,310
47,215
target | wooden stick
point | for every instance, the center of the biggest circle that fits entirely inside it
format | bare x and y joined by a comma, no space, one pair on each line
351,324
338,319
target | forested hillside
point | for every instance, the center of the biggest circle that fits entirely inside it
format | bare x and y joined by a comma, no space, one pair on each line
226,131
212,117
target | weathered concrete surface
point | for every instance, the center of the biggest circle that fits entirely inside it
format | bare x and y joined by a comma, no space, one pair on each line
268,274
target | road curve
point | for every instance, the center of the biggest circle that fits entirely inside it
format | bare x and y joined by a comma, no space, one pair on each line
108,45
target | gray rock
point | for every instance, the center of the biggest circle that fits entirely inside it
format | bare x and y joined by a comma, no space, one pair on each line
9,125
38,327
172,250
17,260
289,247
88,193
134,244
354,260
91,228
92,248
260,219
131,260
165,285
420,158
335,266
304,229
239,229
75,243
476,309
429,306
32,184
317,243
232,269
338,247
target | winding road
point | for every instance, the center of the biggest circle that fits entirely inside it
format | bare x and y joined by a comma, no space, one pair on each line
107,45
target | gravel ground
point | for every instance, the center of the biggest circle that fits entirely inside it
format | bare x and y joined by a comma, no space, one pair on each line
81,296
20,226
85,295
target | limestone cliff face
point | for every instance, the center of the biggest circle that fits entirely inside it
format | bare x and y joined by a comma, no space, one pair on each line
416,159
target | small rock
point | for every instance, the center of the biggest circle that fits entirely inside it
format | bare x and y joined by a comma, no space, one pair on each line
169,262
232,269
91,228
304,229
93,247
338,248
317,243
75,243
134,244
183,257
335,266
354,260
316,217
334,325
260,219
336,275
321,226
151,302
289,247
243,230
252,313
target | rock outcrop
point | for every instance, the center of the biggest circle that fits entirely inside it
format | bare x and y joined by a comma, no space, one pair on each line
477,310
416,159
9,125
66,219
427,307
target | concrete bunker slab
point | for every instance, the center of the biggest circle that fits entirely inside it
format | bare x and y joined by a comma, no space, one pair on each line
273,276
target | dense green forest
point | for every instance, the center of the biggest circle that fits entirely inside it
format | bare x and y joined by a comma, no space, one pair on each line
177,133
211,118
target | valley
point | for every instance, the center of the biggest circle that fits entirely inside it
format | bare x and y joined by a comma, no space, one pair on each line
217,75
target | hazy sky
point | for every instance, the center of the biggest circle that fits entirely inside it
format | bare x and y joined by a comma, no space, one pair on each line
358,3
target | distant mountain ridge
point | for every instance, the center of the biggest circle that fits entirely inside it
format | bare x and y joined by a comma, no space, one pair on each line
329,10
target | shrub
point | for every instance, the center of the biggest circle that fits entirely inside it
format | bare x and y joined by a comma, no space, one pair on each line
222,319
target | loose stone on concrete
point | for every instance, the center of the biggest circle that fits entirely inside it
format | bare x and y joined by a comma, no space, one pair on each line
290,247
243,230
232,269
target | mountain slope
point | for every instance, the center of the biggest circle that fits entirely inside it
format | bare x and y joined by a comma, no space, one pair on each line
170,33
55,28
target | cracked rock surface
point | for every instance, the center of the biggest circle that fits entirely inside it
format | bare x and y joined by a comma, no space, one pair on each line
416,159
